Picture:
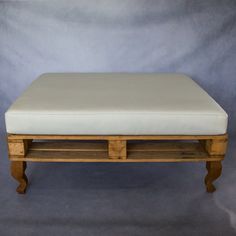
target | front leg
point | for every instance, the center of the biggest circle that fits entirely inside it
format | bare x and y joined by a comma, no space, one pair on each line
18,172
214,169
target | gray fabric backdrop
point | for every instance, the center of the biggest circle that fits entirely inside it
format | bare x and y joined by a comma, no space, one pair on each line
196,37
193,37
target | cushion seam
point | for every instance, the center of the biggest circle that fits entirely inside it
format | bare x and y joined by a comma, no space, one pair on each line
113,113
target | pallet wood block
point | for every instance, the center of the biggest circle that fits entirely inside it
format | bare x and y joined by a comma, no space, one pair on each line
117,149
216,146
18,147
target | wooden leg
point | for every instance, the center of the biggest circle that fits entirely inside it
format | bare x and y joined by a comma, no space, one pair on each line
18,173
214,169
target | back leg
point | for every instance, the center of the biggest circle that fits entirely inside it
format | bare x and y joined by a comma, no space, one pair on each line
214,169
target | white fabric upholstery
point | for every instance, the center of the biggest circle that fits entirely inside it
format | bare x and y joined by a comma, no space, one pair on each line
115,103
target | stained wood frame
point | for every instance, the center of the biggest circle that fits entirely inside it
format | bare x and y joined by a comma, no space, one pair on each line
116,148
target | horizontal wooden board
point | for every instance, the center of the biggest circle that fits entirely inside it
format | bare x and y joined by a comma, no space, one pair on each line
69,146
165,146
179,155
102,156
55,158
67,155
103,146
116,137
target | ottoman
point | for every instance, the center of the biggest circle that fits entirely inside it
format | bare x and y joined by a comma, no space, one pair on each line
115,117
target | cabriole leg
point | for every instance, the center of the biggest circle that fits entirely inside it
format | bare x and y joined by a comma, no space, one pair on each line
18,173
214,169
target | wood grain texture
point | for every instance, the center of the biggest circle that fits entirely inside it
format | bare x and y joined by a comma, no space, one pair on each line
164,146
70,146
18,173
116,137
117,149
216,146
98,152
77,148
37,156
18,146
214,169
103,150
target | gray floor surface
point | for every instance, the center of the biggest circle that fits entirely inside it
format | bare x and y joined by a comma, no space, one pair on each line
118,199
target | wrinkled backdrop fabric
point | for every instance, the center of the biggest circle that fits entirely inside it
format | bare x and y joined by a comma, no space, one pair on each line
197,38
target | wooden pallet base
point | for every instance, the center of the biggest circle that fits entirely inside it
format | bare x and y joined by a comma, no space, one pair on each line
65,148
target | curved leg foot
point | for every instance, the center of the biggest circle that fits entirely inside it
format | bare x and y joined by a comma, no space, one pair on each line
214,169
18,173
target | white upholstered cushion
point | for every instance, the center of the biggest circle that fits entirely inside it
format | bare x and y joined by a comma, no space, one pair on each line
110,103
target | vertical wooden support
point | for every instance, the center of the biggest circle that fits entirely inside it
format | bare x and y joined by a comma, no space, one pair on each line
216,146
18,173
117,149
18,147
214,168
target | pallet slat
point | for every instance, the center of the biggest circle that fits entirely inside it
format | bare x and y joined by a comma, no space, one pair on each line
69,146
116,137
102,146
53,156
163,146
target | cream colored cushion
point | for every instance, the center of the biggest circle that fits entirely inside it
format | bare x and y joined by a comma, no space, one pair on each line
115,103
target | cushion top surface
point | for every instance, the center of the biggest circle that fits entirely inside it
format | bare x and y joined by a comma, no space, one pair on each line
115,104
